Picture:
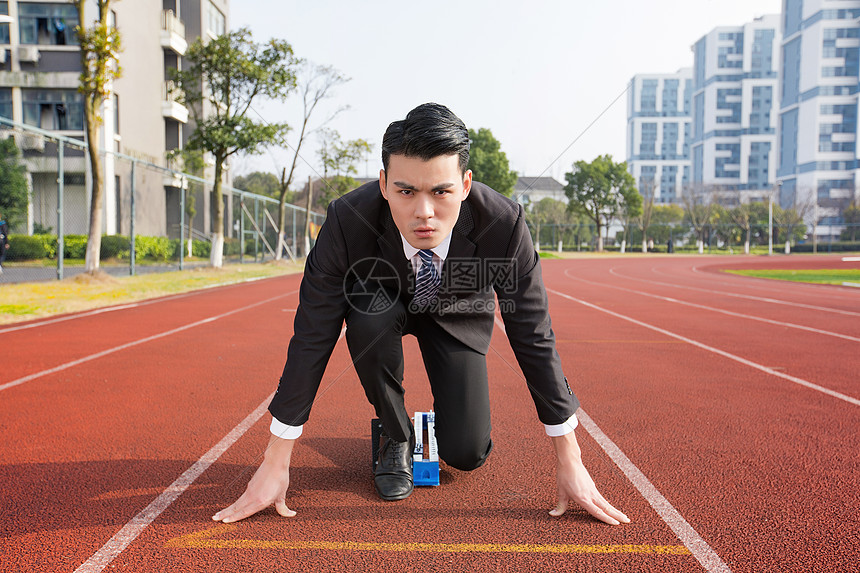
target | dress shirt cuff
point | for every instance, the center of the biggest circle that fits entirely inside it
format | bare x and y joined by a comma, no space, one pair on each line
556,430
285,431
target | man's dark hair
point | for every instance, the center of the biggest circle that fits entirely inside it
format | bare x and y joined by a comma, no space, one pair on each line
429,130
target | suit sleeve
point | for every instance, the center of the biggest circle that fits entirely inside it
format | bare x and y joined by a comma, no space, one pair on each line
524,306
319,319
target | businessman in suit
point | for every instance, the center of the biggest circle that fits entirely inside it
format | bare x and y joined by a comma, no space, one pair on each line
422,252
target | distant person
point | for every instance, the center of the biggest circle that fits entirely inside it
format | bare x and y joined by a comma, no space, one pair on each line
670,246
4,241
422,252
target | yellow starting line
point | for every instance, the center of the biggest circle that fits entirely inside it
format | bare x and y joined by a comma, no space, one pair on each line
204,540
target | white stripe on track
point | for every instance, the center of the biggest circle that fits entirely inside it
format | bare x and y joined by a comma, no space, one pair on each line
728,355
720,310
699,548
103,353
131,530
738,295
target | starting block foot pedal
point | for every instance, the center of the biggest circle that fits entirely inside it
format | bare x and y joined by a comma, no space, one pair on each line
425,456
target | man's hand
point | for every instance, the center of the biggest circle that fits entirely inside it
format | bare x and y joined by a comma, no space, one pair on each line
268,485
575,484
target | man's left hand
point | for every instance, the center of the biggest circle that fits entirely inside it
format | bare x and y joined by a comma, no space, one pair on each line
575,484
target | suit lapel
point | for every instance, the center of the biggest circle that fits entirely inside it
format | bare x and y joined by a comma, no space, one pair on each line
391,250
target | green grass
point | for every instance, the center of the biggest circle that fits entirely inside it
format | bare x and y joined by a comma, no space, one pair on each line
26,301
818,276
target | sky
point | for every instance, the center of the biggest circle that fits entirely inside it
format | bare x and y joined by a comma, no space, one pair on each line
547,77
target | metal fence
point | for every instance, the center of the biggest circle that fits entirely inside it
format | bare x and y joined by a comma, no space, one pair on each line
156,217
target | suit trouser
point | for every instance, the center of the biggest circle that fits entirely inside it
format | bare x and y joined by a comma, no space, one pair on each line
457,373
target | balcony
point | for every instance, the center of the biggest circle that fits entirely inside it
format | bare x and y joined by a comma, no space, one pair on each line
173,33
171,108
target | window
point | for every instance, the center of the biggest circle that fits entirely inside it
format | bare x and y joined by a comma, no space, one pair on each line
4,28
48,24
61,110
6,103
649,95
217,22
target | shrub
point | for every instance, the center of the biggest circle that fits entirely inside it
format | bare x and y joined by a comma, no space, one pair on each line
75,247
156,248
26,248
202,249
231,246
115,246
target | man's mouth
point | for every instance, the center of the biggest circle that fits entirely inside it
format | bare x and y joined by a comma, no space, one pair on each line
423,231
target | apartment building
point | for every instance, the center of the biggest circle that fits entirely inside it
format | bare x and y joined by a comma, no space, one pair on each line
735,100
818,152
39,76
658,133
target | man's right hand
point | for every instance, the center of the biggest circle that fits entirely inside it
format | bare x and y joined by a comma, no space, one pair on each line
268,485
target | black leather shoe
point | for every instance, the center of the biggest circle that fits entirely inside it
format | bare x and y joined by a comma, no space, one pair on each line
393,475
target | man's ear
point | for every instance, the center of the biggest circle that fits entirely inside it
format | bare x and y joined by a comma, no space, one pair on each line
382,183
467,183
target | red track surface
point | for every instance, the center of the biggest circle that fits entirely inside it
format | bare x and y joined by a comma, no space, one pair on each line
763,469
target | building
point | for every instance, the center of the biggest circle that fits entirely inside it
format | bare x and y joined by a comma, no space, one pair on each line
530,190
39,77
735,81
818,153
658,133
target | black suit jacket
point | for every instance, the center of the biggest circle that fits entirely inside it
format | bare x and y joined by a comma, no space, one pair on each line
491,250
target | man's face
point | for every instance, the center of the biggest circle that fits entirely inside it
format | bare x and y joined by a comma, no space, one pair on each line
424,196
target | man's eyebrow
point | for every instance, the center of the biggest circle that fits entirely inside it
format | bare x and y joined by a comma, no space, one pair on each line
403,185
411,187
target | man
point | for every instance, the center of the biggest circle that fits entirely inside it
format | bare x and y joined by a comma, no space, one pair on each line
422,253
4,241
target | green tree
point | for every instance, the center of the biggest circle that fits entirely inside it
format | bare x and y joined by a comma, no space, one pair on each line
259,182
598,189
647,190
339,160
100,46
629,214
665,221
13,184
851,217
547,211
488,162
230,73
699,211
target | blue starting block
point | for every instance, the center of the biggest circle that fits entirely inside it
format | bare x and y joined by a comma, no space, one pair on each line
425,456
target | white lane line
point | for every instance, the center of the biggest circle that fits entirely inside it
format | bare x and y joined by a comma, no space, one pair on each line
720,310
127,306
723,353
131,530
738,295
700,549
103,353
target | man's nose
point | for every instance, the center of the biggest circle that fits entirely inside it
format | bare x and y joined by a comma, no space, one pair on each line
424,207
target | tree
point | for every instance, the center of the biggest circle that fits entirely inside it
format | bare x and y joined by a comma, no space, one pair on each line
851,217
647,190
664,220
339,159
258,182
13,184
699,210
315,84
629,213
547,211
488,162
230,73
598,189
790,221
100,47
740,216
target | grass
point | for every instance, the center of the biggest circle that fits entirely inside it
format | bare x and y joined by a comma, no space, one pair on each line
26,301
818,276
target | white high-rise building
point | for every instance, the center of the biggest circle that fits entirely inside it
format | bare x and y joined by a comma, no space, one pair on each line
658,133
735,99
819,84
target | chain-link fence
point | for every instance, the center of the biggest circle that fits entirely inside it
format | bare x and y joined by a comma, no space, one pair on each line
155,217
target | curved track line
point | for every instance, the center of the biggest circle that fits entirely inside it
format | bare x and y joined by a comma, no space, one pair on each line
762,283
738,295
62,367
723,353
720,310
700,549
131,530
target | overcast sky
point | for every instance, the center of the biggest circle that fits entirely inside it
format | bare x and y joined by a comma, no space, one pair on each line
535,73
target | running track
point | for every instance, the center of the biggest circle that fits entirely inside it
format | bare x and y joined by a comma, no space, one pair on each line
720,413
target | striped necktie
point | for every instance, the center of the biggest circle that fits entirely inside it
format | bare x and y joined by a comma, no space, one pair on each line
427,281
